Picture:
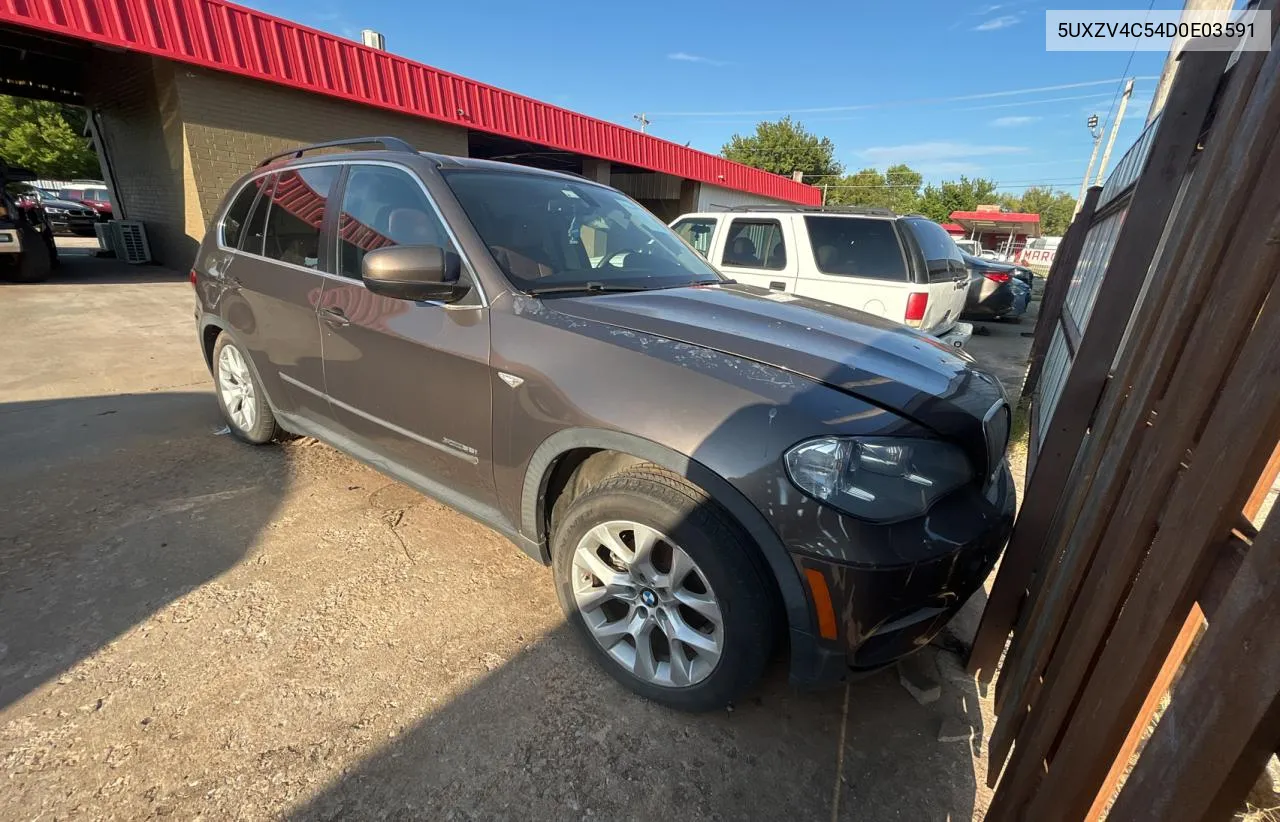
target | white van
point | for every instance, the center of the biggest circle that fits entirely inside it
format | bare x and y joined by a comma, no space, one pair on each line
907,269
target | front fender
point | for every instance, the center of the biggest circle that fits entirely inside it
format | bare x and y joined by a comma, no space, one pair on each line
533,498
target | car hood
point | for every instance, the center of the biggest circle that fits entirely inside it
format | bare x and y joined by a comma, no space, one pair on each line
860,354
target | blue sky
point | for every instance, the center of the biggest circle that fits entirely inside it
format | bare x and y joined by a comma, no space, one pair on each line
961,87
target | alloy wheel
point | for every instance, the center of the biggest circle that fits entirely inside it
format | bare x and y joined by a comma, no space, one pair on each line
647,603
236,388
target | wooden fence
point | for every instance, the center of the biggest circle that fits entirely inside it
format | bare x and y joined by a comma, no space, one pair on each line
1155,391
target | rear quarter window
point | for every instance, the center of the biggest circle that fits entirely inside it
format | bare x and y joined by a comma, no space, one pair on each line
237,215
941,254
857,247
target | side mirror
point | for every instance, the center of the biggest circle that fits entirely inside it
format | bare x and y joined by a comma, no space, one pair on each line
414,272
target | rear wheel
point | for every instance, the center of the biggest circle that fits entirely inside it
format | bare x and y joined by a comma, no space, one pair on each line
240,395
663,587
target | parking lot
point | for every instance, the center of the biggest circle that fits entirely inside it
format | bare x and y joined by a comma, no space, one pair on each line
194,628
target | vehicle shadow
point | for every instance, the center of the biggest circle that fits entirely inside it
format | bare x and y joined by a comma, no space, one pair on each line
115,507
81,266
548,735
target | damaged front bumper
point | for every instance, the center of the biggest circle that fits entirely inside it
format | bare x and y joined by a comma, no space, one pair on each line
883,610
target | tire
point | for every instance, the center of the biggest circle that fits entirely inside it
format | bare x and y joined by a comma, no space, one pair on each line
727,570
240,396
35,266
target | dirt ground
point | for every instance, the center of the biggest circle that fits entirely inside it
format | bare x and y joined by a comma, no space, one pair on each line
192,628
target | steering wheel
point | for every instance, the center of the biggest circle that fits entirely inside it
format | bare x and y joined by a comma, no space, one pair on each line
609,257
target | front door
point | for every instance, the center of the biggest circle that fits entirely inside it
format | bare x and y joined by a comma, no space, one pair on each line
409,381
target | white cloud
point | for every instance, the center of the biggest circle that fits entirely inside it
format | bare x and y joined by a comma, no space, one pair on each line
1010,122
937,157
950,168
686,57
1044,101
995,23
936,151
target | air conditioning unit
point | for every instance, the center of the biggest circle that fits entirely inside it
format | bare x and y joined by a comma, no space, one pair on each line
129,241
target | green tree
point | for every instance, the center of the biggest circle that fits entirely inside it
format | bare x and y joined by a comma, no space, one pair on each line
937,202
1056,208
897,188
863,188
783,147
38,135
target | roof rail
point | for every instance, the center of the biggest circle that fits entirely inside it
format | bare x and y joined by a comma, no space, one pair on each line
387,144
777,207
869,210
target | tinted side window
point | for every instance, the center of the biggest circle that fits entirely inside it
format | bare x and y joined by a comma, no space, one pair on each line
297,214
381,207
697,232
238,214
255,228
755,244
854,247
941,255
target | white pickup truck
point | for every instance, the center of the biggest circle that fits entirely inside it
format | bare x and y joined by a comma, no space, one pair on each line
907,269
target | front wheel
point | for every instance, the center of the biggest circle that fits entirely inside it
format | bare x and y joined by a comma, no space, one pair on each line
664,588
240,395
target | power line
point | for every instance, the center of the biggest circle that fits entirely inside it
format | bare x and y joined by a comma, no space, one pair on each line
889,104
1037,181
1123,75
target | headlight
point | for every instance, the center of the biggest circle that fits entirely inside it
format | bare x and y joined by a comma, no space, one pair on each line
882,479
53,210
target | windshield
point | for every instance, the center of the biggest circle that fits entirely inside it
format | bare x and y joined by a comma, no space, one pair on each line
553,234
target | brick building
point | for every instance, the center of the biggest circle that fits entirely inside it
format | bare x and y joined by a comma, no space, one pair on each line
187,95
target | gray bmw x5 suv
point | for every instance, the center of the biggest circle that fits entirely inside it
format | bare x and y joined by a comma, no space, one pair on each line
710,469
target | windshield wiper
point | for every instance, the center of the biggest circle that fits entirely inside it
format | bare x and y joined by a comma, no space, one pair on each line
590,288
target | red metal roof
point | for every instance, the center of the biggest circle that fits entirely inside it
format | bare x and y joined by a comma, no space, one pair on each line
953,227
242,41
994,217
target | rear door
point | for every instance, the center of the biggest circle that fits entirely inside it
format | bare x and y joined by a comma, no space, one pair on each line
758,251
274,280
857,262
945,271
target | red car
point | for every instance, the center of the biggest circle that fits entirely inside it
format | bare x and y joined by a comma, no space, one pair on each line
97,198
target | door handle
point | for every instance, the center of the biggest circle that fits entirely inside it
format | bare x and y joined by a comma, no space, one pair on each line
777,285
334,317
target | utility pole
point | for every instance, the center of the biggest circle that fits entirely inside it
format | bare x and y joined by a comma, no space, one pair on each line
1088,172
1216,11
644,121
1115,128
